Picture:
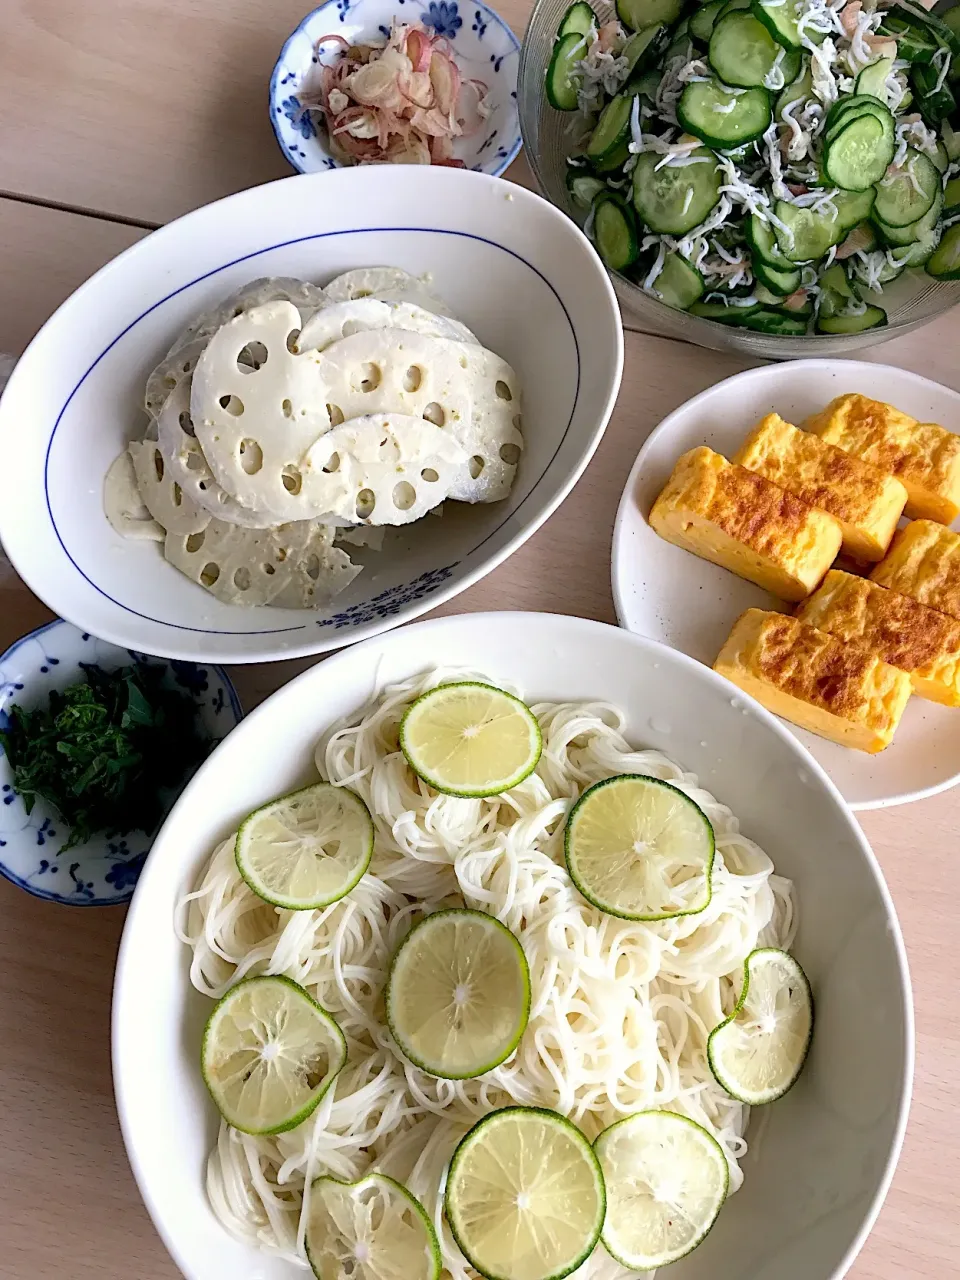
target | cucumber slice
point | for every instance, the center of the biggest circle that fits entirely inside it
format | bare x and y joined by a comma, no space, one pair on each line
733,6
945,262
615,233
679,284
722,313
918,253
742,50
673,200
780,17
852,208
951,197
849,109
579,19
951,19
709,111
915,231
779,323
834,281
951,141
584,187
859,154
612,133
872,318
810,234
791,64
763,244
644,48
872,80
914,43
798,91
935,104
647,84
940,158
702,22
782,283
637,14
905,196
562,81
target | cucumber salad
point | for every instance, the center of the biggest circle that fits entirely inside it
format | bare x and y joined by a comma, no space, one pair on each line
771,164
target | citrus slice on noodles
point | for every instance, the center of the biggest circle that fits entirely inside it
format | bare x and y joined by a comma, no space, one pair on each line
524,1195
458,994
373,1229
470,739
269,1054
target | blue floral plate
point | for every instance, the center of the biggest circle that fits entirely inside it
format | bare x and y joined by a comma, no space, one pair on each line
99,873
485,48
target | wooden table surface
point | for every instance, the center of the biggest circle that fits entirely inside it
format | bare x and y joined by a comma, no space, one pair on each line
117,117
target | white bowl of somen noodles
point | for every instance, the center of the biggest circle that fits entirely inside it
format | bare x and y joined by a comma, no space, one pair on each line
627,948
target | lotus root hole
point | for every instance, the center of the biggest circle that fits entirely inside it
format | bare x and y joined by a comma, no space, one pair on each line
292,338
335,414
232,404
287,407
510,454
195,462
158,463
195,541
518,421
464,362
209,573
252,357
503,391
187,367
186,424
281,554
412,378
332,463
366,501
241,579
312,567
251,456
476,465
292,479
269,570
362,293
434,413
169,382
370,376
429,475
177,494
404,495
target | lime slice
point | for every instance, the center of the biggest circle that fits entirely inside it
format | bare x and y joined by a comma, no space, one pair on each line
638,848
759,1051
269,1055
458,994
307,849
373,1229
524,1196
666,1180
470,739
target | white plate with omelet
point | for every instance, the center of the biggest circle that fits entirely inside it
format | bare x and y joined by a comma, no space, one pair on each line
856,646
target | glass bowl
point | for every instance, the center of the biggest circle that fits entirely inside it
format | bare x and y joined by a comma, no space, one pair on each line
550,136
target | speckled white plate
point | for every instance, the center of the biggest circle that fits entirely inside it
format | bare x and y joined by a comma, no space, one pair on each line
670,595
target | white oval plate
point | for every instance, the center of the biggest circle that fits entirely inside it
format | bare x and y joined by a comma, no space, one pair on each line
814,1183
668,594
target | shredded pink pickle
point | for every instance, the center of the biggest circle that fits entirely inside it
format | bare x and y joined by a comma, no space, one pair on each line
402,102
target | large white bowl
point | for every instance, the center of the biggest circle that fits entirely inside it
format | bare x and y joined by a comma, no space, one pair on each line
511,266
818,1171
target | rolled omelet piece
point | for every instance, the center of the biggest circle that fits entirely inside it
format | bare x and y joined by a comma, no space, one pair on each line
924,563
747,524
910,636
838,691
925,457
866,502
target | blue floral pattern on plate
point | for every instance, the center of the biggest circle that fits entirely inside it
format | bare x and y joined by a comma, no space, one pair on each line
101,872
485,48
389,602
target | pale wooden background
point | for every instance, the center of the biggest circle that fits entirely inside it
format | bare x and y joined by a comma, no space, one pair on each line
115,117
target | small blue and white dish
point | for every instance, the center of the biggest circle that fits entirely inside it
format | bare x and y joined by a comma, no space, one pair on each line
484,46
101,872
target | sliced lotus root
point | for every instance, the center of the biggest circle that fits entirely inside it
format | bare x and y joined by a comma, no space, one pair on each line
255,425
362,536
187,465
331,323
171,373
384,468
123,505
165,500
460,387
257,566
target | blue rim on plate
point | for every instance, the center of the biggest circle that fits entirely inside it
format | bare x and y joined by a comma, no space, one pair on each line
485,47
101,872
